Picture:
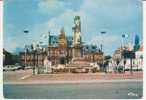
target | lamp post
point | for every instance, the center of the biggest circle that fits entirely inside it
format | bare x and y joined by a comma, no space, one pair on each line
37,53
122,41
47,51
25,57
25,32
102,33
41,51
49,43
124,36
34,62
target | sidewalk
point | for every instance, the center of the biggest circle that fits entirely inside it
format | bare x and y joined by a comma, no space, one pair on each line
78,77
74,81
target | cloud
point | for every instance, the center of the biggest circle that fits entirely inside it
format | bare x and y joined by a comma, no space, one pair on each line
10,44
109,42
64,20
51,6
113,16
57,7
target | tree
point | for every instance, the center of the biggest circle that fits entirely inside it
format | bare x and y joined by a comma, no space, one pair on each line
136,43
10,59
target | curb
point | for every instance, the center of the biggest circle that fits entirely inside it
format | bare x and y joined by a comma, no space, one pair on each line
76,82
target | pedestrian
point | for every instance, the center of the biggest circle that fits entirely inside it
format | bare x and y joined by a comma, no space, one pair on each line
124,65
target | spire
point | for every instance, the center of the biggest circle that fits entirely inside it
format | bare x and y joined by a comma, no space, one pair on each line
62,38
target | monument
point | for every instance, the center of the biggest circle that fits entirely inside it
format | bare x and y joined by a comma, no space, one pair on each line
78,64
77,37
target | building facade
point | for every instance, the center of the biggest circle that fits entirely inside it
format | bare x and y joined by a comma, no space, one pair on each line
62,49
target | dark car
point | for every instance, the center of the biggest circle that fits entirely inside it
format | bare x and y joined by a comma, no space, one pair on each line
21,67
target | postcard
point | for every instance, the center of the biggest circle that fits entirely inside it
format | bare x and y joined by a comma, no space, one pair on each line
73,49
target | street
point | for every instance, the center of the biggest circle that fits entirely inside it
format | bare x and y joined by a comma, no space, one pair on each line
25,76
105,90
15,75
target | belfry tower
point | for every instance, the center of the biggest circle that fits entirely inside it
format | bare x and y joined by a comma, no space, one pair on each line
77,37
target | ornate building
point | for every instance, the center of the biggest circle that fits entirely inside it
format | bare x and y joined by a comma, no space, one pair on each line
62,52
62,49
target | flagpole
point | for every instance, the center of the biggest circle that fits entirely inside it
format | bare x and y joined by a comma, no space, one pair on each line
102,33
122,44
48,43
123,37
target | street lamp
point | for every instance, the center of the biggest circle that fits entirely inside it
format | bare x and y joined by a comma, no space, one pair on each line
49,42
41,51
34,53
102,33
26,32
124,36
38,52
47,35
25,57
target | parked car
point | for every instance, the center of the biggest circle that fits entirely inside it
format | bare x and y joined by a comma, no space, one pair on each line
21,67
10,68
28,67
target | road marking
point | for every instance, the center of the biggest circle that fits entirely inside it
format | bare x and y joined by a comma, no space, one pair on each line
24,77
132,94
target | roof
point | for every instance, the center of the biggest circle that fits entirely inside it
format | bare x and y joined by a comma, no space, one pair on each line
90,48
55,39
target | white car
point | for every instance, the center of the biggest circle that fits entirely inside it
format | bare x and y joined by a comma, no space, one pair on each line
10,68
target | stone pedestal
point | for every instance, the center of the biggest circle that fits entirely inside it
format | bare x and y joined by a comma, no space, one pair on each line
77,51
79,64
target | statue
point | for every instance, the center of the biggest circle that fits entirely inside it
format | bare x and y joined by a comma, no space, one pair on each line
77,37
77,30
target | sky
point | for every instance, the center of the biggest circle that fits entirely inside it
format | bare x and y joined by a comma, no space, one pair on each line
115,17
